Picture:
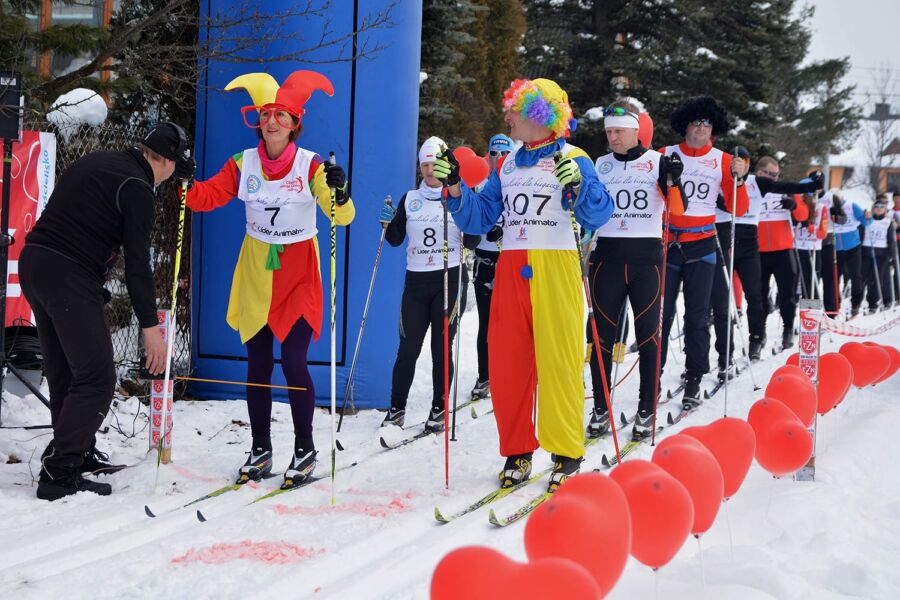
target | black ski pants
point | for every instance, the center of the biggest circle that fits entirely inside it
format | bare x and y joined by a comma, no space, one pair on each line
67,301
422,307
783,265
746,265
850,268
697,276
611,284
483,280
810,288
831,296
875,264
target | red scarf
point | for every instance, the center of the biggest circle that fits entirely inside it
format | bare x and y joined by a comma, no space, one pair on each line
276,168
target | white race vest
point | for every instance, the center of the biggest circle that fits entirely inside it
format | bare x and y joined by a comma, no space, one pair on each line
852,224
803,239
751,217
281,211
770,209
877,232
701,180
533,216
634,187
425,230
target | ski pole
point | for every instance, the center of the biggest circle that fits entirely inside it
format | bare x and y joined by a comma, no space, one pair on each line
730,282
161,454
569,194
876,275
362,326
737,319
674,193
333,210
459,294
446,343
623,314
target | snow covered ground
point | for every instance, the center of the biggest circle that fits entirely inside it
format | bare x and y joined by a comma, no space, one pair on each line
834,538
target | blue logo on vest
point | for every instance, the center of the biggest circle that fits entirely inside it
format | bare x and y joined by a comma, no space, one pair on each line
414,205
253,184
509,166
606,167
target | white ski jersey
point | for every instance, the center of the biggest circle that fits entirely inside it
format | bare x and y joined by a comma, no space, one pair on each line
634,187
425,230
701,180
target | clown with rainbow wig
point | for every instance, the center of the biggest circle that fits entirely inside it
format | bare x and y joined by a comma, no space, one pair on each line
276,291
536,331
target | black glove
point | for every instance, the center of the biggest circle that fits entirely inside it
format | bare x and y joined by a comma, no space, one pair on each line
788,202
837,213
720,203
185,169
674,166
336,179
817,178
495,234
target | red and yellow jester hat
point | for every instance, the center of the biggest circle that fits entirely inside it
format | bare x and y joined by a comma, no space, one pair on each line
266,93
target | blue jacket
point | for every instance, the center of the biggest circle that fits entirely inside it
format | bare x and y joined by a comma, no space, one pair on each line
850,239
477,212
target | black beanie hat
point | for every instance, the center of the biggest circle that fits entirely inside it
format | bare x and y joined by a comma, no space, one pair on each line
167,139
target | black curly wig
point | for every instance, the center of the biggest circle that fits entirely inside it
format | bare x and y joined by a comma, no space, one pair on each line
700,107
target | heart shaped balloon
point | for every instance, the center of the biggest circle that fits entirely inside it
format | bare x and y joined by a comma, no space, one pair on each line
869,363
796,392
733,444
661,511
688,461
784,447
835,379
894,356
570,526
481,573
473,169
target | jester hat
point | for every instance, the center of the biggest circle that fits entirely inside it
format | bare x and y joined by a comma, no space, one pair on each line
291,96
543,102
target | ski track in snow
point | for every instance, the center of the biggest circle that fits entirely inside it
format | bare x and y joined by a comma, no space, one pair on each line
835,538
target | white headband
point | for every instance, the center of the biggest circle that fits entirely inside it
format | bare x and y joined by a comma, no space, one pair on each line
627,121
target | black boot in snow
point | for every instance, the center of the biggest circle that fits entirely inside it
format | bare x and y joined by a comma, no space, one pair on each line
643,426
691,398
481,390
756,345
66,484
563,468
787,339
435,421
97,463
516,470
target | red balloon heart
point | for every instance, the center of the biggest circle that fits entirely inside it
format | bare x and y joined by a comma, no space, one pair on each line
893,355
835,378
686,459
645,130
790,370
793,359
784,447
480,573
797,393
733,444
661,511
767,412
570,526
473,169
868,363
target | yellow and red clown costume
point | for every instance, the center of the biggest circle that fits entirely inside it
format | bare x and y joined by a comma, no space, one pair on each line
536,331
277,278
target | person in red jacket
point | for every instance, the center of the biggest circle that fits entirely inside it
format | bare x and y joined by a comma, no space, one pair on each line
691,257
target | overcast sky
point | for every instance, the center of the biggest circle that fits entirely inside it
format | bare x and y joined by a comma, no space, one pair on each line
868,31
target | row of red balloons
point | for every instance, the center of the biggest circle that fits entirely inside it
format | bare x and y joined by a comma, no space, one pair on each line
578,542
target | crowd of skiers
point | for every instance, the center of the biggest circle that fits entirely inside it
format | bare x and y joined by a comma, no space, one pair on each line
655,224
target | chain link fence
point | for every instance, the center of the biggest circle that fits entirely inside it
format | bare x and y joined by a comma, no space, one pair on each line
71,145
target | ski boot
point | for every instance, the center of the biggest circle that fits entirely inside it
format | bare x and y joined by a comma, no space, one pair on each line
97,463
643,426
756,345
723,372
394,416
787,339
481,390
258,466
599,423
516,470
691,398
563,468
435,421
854,312
302,466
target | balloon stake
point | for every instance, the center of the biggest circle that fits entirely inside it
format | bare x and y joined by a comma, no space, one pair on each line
702,567
728,525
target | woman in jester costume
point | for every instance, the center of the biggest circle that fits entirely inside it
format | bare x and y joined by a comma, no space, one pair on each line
276,291
535,336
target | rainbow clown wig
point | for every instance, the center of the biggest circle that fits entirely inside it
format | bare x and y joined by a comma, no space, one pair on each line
543,102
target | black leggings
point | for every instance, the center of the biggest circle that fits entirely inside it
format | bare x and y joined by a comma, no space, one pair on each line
611,284
850,268
422,307
783,265
485,265
260,363
882,257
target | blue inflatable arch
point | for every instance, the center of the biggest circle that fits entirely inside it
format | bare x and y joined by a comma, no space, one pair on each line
370,123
